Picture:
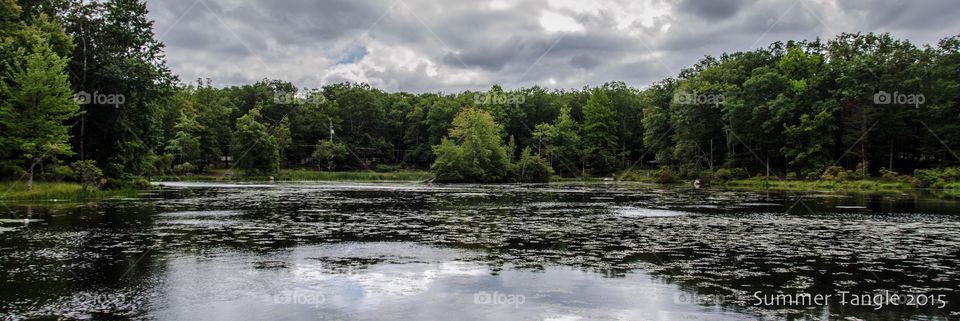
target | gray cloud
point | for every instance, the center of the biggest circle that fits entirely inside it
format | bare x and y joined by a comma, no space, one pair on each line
420,45
713,9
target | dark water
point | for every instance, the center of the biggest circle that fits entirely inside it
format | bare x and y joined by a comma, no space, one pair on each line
404,251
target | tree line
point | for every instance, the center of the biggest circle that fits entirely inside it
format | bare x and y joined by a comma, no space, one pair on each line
86,93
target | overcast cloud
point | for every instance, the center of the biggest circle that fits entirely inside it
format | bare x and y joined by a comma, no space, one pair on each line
420,46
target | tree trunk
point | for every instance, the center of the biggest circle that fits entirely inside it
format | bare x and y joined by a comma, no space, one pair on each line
30,180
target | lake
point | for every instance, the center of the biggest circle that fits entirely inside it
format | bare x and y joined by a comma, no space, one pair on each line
411,251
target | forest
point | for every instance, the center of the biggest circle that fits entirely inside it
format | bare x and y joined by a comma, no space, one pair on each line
86,96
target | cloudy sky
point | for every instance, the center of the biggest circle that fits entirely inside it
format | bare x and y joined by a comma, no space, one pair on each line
428,46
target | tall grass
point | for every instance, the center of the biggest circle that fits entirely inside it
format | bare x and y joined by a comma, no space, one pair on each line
58,191
799,185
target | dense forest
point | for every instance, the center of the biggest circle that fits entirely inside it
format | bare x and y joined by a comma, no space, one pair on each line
86,94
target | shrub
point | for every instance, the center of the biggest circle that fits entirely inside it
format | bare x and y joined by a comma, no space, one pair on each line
532,168
739,173
834,173
723,174
329,155
383,168
889,175
60,172
951,174
87,173
925,177
184,168
664,176
858,174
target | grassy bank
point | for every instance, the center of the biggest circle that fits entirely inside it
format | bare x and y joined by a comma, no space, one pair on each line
58,191
758,183
303,175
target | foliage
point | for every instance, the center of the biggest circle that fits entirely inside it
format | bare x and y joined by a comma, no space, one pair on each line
560,142
474,151
330,155
834,174
39,103
664,176
88,174
600,140
531,168
258,150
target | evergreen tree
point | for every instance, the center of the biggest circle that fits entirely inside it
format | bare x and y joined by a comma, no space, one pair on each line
600,129
39,104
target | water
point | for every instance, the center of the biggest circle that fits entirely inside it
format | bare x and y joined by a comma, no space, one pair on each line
407,251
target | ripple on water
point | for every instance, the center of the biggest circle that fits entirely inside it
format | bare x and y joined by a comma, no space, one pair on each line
645,212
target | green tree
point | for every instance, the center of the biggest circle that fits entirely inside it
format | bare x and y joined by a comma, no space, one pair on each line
561,142
532,168
330,155
600,132
256,150
474,151
39,104
185,145
657,128
117,53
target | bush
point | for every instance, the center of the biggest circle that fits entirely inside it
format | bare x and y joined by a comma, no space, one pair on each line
925,177
726,174
160,164
127,182
532,168
87,173
383,168
951,174
889,175
834,174
60,173
184,168
329,155
858,174
664,176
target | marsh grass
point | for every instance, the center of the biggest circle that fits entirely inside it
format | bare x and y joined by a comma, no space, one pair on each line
59,191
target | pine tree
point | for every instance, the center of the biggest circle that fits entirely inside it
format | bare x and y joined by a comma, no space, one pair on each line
600,129
40,102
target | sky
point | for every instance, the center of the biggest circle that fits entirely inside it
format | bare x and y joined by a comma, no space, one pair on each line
451,46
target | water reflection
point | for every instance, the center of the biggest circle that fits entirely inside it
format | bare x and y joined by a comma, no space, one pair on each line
405,281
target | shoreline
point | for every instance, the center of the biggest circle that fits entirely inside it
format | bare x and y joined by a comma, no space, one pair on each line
70,191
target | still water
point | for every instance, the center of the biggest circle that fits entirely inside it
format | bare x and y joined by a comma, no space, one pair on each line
410,251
